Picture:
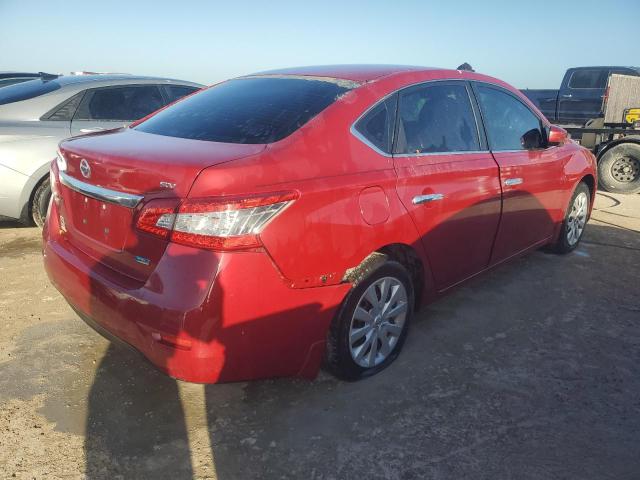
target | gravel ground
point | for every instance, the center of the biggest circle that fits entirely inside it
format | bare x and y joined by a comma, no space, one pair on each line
530,371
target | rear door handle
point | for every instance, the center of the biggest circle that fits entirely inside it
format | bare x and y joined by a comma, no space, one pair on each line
567,96
432,197
509,182
91,130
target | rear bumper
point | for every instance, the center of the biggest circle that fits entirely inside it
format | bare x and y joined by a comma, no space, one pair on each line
201,316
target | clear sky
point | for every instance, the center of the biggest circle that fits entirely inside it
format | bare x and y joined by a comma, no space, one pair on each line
527,43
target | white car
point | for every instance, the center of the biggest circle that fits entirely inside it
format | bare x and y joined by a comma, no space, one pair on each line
37,114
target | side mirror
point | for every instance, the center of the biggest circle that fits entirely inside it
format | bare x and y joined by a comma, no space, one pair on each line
532,139
557,136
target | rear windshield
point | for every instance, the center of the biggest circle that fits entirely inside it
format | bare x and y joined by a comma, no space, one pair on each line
26,90
247,110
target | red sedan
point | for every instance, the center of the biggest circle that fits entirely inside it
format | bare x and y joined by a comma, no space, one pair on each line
275,221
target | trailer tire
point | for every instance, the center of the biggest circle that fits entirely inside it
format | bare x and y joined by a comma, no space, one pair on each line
619,169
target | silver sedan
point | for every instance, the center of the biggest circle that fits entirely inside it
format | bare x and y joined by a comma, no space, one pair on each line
36,115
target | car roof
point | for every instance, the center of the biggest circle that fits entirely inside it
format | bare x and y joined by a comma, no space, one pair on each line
353,72
608,67
64,87
106,78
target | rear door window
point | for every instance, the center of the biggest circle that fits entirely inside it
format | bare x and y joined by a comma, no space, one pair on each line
436,118
377,126
590,78
247,110
176,92
126,103
506,118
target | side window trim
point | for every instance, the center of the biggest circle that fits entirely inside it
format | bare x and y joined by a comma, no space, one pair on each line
55,109
354,131
482,139
477,114
499,88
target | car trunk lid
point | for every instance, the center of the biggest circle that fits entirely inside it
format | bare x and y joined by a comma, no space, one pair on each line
110,177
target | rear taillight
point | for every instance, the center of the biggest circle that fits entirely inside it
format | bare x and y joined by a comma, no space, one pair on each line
229,223
157,217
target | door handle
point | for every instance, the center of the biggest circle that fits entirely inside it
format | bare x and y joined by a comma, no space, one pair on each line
512,181
91,130
432,197
567,95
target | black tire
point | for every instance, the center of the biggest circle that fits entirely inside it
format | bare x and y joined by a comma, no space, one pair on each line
619,169
40,202
563,245
339,359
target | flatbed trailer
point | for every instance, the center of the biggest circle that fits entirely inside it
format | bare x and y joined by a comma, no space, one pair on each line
615,137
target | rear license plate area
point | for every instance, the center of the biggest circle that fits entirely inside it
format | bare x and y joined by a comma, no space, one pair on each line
104,223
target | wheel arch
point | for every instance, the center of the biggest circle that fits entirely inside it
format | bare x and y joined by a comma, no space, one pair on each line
405,255
590,181
30,190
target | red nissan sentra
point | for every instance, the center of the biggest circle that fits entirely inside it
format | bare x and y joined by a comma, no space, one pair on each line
275,221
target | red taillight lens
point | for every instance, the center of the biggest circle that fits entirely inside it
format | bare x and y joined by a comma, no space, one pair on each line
157,217
227,223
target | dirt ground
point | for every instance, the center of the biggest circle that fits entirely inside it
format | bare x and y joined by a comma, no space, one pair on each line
530,371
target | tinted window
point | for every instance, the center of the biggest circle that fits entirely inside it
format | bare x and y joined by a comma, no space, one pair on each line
26,90
437,118
377,125
506,118
588,79
65,110
246,110
120,103
176,92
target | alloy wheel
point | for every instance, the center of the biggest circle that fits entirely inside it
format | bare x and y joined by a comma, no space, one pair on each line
377,322
577,218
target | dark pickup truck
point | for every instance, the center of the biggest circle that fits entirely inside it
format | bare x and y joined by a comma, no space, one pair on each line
580,96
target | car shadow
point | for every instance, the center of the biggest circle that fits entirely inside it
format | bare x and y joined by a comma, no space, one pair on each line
476,372
8,223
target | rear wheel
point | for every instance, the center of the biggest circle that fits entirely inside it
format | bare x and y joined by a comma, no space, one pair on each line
40,202
619,169
370,328
575,220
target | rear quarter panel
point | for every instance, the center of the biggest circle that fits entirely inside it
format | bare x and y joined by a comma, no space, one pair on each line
27,157
331,227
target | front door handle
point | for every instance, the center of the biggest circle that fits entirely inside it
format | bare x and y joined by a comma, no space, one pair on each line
432,197
509,182
567,96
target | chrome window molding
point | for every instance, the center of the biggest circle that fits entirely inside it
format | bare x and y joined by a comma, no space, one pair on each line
512,151
431,154
479,123
543,120
364,140
123,199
